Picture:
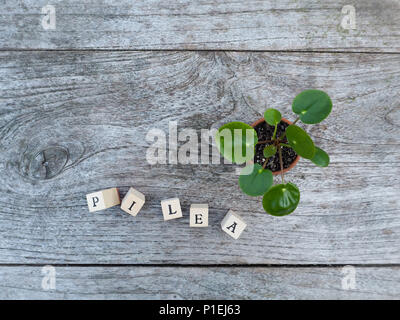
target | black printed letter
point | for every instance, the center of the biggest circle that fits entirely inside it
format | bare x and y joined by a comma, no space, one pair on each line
130,208
95,200
233,226
170,210
197,219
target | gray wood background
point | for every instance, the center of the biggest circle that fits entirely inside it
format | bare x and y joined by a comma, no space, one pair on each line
111,71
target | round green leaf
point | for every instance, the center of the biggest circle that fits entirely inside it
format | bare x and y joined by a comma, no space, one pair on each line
300,141
312,106
281,199
254,180
272,116
236,141
321,158
269,151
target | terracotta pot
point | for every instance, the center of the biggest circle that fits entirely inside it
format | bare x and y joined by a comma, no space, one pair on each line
297,158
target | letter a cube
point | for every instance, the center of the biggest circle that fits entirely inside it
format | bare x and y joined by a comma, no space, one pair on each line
233,224
171,209
103,199
199,215
133,202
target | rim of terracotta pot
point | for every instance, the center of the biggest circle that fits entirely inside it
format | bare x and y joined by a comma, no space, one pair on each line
297,158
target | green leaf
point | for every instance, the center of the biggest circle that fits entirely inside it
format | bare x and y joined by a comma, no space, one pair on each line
321,158
254,180
300,141
236,141
269,151
272,117
312,106
281,199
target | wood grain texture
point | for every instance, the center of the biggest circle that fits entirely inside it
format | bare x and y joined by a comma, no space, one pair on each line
220,24
199,283
100,106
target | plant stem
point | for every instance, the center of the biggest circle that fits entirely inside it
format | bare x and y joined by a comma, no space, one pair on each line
265,141
285,145
284,134
265,163
281,162
274,136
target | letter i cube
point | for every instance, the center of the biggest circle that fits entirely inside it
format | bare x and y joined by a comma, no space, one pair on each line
233,224
103,199
171,209
133,202
199,215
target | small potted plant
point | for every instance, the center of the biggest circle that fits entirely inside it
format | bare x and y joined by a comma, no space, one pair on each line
273,145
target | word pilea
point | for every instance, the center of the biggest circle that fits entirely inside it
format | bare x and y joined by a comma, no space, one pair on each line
237,142
134,200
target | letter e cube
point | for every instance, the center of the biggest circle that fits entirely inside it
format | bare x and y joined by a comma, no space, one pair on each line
199,215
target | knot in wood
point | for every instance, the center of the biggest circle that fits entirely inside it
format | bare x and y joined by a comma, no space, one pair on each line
48,163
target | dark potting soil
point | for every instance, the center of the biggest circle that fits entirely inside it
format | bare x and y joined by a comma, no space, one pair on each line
265,132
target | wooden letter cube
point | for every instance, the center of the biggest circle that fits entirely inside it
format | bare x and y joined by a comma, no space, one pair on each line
199,215
233,224
133,202
103,199
171,209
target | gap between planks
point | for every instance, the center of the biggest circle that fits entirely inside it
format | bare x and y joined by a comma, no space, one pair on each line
195,50
174,265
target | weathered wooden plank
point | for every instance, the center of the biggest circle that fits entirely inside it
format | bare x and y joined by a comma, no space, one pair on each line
100,106
199,283
230,25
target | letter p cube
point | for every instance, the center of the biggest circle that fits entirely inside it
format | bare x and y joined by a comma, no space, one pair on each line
103,199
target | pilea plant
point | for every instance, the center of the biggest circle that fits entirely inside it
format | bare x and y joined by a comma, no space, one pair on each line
237,142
